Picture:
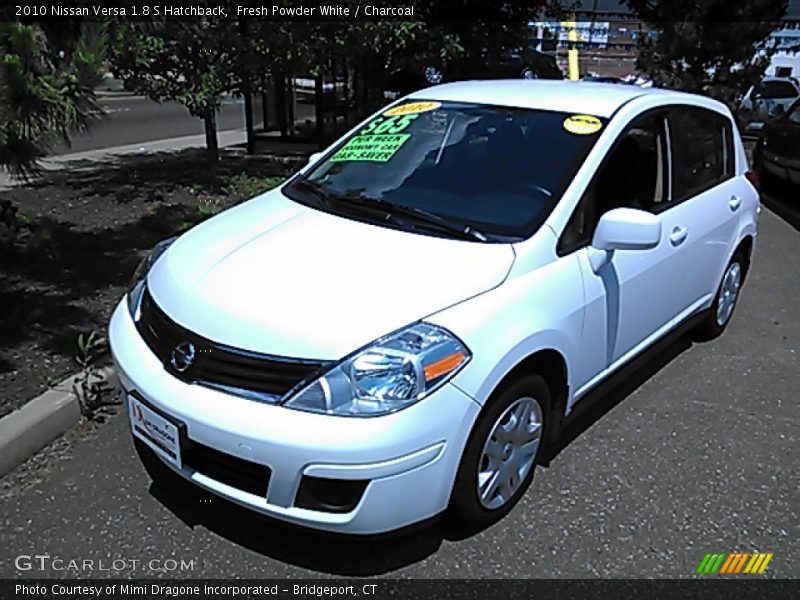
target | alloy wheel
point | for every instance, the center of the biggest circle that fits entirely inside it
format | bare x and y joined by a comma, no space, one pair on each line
728,293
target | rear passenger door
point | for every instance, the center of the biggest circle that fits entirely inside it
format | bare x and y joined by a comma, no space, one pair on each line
705,201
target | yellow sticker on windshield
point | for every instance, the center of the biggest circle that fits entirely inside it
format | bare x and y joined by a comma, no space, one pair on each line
582,124
414,107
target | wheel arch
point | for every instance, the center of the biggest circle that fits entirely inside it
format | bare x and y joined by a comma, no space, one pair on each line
745,246
551,365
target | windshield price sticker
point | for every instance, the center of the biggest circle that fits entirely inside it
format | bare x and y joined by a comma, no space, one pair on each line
582,124
412,108
394,124
370,147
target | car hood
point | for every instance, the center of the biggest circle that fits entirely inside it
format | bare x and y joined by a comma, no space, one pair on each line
277,277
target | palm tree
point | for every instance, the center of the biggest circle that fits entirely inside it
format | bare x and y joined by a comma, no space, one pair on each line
47,82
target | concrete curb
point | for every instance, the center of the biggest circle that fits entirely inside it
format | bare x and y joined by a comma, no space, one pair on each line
30,428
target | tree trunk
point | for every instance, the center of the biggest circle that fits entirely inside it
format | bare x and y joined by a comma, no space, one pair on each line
280,102
264,106
319,113
248,118
291,100
212,147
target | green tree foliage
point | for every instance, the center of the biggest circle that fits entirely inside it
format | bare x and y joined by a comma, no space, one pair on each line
715,46
47,81
189,62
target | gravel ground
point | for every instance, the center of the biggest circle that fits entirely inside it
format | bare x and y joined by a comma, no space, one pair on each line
84,229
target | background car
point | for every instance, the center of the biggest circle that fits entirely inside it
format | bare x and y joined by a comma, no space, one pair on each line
777,153
767,100
602,79
522,63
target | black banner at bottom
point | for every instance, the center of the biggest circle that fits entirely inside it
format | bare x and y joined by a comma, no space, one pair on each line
384,589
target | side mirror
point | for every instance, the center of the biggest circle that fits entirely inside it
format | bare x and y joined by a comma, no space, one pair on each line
623,229
314,158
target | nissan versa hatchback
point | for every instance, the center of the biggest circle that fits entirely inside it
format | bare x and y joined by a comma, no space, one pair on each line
404,326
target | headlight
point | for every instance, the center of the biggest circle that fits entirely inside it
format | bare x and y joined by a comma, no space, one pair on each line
136,286
393,373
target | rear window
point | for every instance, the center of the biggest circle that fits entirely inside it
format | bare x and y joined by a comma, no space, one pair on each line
703,150
777,90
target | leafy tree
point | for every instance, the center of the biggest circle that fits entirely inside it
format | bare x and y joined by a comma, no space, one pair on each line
47,81
189,62
714,46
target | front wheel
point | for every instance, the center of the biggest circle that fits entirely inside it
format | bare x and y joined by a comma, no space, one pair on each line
719,315
499,459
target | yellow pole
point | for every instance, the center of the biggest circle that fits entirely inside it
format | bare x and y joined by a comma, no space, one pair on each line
572,52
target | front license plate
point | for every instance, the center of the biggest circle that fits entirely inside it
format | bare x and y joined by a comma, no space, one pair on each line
159,433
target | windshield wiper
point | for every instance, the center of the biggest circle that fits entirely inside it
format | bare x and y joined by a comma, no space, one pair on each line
320,192
438,221
431,220
389,210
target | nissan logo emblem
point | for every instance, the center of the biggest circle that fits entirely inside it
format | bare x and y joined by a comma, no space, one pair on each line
183,356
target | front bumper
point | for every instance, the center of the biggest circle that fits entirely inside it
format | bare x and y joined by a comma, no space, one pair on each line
410,457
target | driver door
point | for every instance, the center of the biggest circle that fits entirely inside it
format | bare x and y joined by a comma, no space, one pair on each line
632,299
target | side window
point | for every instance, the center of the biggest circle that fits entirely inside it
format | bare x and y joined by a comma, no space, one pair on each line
794,113
633,175
702,150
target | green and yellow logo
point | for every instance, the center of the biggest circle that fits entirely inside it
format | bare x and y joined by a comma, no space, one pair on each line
723,563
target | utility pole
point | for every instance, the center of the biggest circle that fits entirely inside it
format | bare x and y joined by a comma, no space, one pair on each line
572,52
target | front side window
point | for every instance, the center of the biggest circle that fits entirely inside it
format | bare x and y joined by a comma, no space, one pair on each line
794,113
437,167
702,150
633,175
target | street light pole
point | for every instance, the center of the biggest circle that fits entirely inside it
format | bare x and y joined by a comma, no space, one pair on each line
572,52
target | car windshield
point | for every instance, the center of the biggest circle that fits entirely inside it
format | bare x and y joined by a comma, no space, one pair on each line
452,167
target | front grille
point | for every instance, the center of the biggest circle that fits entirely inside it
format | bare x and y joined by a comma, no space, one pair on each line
217,365
241,474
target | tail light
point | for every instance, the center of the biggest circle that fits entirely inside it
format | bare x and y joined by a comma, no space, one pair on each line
752,177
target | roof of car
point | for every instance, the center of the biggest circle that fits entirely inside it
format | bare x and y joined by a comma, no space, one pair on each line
599,99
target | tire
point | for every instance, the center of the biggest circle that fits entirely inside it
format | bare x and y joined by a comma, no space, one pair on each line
721,311
528,72
469,508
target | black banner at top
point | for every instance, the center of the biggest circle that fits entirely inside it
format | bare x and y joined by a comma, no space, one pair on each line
351,10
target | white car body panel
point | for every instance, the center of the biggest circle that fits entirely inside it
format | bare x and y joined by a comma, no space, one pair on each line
275,277
320,260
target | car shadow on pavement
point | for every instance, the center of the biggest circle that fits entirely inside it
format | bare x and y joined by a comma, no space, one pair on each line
331,553
601,400
781,198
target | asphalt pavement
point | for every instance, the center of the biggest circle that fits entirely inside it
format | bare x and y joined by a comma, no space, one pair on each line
698,453
130,120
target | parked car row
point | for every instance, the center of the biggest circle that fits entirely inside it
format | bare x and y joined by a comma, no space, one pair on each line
777,153
767,100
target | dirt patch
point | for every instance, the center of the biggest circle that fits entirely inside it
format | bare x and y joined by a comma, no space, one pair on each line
78,234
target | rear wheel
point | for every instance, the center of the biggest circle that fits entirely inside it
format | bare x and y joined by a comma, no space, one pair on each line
528,73
719,315
498,463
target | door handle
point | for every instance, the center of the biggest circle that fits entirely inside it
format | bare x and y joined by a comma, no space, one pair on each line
678,236
734,203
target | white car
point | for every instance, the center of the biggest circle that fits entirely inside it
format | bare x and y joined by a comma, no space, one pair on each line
405,326
767,100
